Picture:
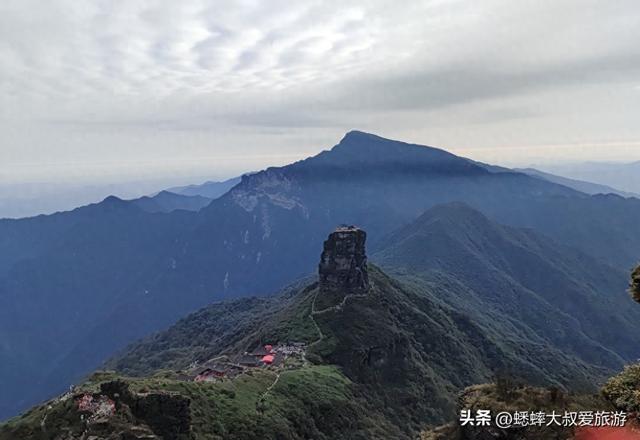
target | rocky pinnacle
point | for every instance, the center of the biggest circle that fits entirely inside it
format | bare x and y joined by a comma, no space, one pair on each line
343,264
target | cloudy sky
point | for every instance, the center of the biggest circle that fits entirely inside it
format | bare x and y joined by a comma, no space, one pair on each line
110,91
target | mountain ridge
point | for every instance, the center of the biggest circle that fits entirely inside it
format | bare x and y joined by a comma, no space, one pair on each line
579,185
209,189
254,239
167,201
504,265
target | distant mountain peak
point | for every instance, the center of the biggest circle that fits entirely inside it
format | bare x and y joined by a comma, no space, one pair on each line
361,151
113,202
166,193
112,199
355,138
356,135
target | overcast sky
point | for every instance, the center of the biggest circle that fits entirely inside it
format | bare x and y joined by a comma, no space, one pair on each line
107,91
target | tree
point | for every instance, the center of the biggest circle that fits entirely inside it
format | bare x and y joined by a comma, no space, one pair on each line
635,284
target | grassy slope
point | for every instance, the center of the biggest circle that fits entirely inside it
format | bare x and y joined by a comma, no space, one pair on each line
405,351
223,328
413,355
312,402
518,283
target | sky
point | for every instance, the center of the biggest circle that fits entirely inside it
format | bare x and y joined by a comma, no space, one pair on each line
105,92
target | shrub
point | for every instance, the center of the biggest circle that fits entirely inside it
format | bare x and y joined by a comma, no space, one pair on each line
623,390
635,284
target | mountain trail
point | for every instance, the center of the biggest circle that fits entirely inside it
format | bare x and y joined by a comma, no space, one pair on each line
263,396
337,308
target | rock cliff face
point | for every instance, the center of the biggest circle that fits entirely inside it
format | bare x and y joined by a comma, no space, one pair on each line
343,264
168,415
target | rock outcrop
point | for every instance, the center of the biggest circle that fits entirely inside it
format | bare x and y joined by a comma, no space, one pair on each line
167,414
343,264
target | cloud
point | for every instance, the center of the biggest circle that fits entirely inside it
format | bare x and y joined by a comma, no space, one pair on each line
125,80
